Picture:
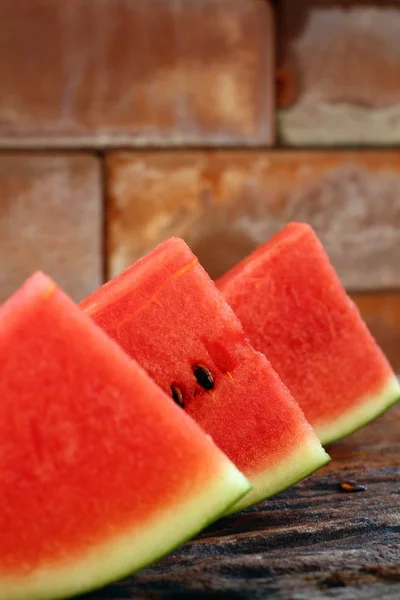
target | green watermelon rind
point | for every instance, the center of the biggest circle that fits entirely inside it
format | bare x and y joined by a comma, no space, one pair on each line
385,399
281,490
234,479
328,460
314,457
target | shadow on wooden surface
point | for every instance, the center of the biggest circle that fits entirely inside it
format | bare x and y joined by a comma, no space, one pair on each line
310,542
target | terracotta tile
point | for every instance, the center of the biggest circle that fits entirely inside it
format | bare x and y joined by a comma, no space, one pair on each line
382,314
226,203
133,73
51,219
339,72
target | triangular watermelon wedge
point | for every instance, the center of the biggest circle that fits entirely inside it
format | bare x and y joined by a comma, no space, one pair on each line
100,474
167,314
295,310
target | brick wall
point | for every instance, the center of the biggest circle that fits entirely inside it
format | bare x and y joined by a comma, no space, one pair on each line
124,122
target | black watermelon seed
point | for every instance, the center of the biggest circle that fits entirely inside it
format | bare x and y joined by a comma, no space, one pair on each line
351,486
204,377
177,395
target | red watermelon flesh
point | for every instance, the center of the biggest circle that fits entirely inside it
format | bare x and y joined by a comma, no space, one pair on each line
100,473
295,310
167,314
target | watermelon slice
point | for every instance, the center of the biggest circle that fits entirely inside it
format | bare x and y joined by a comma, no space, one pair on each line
100,474
166,313
295,310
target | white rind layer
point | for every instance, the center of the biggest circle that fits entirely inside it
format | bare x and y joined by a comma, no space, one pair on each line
307,458
132,550
368,409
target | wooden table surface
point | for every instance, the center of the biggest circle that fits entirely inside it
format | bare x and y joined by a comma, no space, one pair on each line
310,542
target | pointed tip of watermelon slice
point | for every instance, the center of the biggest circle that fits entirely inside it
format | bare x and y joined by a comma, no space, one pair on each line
366,411
37,285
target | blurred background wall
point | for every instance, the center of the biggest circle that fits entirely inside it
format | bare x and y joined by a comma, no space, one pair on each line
123,122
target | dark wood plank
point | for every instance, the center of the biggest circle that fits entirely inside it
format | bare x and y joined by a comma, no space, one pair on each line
310,542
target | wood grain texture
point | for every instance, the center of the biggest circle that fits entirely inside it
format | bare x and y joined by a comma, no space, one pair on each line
338,76
226,203
51,218
133,73
382,314
311,542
